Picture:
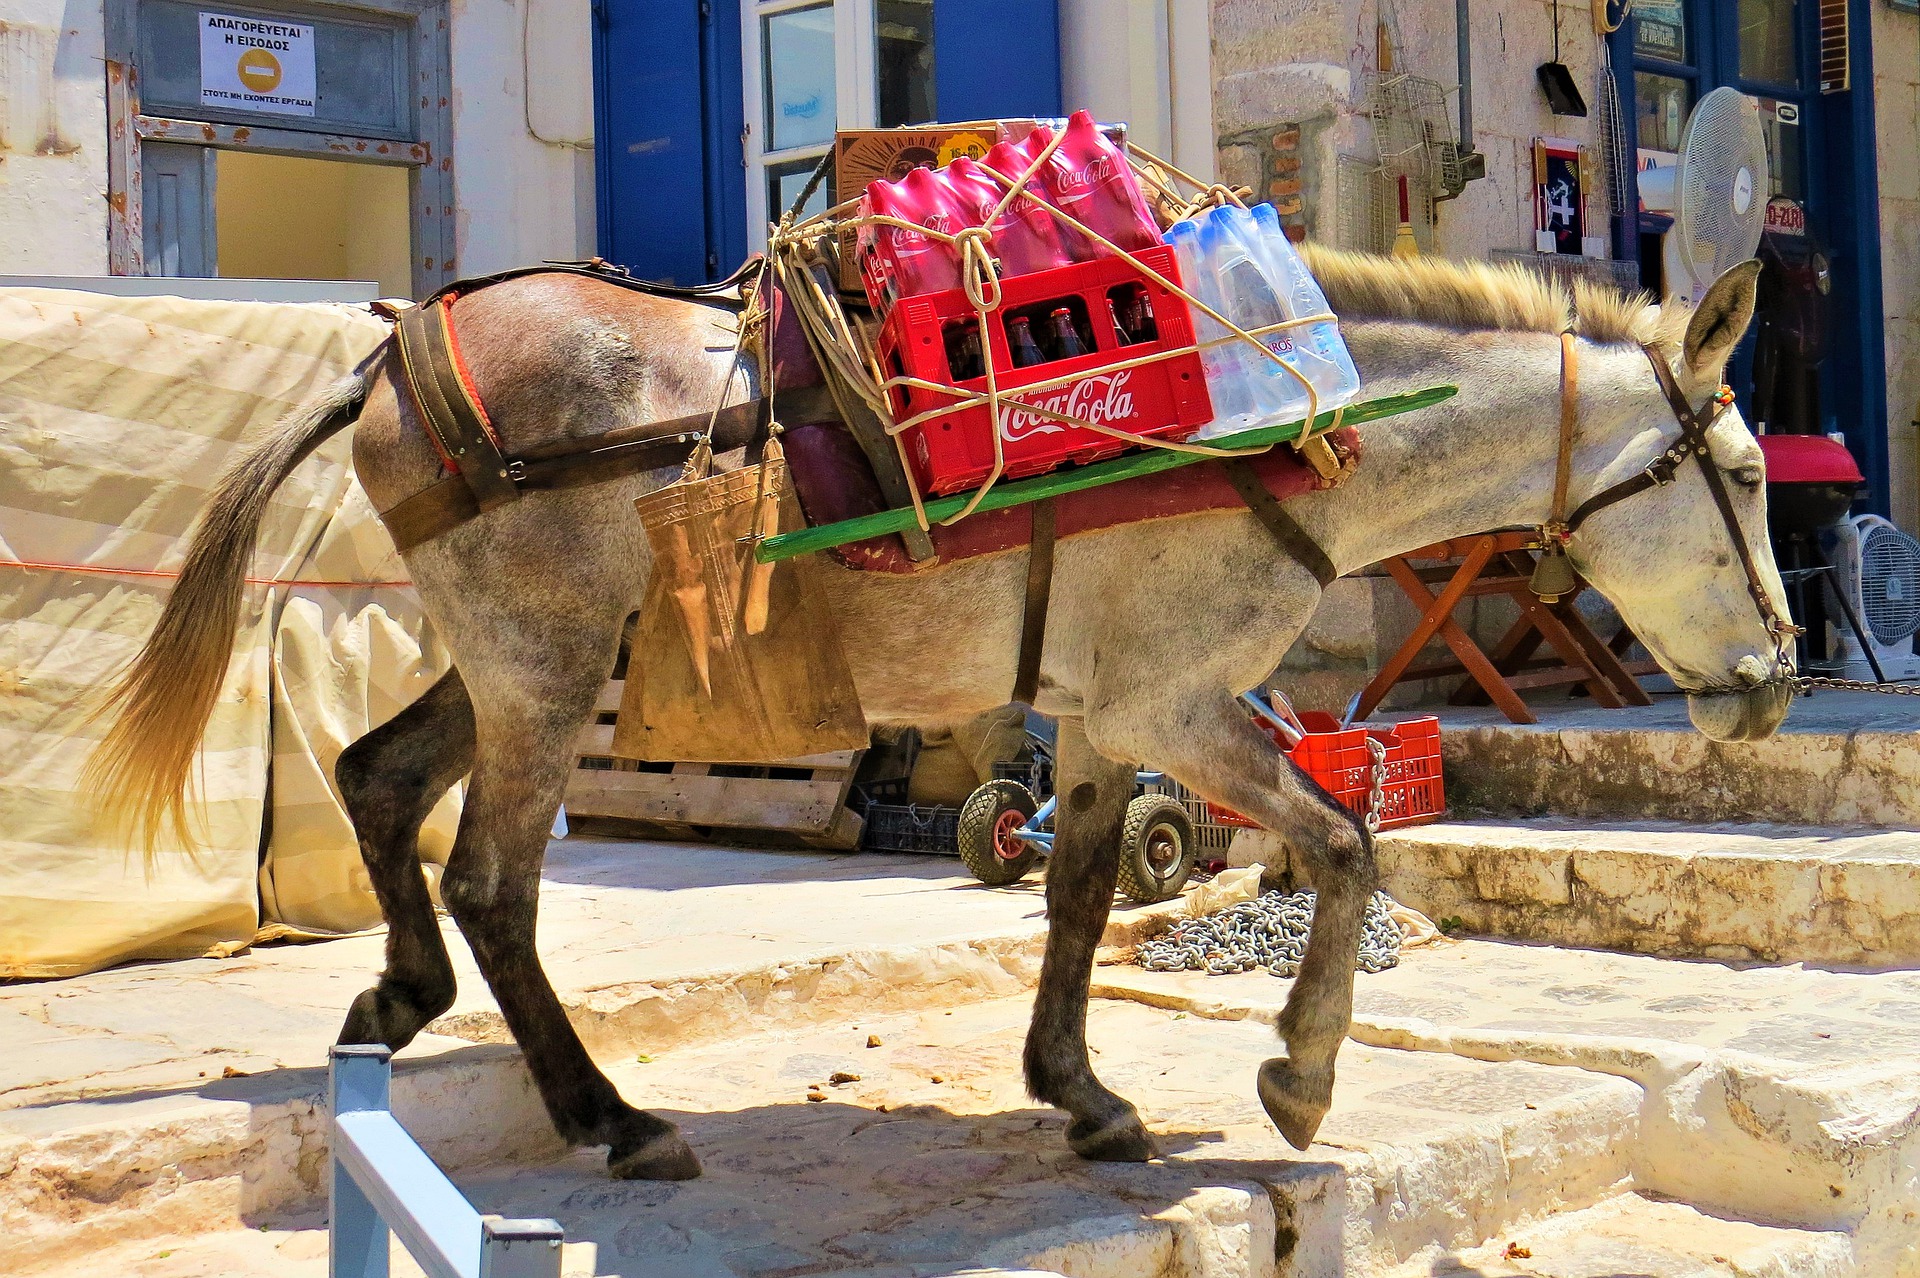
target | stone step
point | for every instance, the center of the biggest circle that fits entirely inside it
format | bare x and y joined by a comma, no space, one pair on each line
1841,759
1775,893
932,1160
1779,1094
1635,1235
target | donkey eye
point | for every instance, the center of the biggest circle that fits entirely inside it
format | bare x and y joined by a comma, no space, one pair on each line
1750,476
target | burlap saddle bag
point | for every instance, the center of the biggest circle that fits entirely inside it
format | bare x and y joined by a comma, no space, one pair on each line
734,661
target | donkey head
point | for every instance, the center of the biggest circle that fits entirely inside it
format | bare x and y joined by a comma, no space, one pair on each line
1666,557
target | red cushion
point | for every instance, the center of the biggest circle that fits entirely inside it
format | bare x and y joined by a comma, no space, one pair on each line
1809,459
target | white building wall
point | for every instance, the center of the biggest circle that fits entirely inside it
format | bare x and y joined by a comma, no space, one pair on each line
521,68
519,198
53,139
1896,99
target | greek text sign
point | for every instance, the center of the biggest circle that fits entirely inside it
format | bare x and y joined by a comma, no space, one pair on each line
253,64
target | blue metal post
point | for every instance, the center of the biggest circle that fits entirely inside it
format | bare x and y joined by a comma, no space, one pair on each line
357,1077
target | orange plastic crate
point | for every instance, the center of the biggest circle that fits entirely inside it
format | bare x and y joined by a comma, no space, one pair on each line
1338,759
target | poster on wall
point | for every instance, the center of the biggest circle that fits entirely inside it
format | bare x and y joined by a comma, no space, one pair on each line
1560,194
251,64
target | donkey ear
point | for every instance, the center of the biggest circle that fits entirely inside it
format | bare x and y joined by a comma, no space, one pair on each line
1722,318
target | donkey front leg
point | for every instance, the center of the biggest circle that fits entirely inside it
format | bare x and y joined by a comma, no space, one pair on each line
1094,792
1228,760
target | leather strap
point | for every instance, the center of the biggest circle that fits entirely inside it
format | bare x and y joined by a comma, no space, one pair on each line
1033,614
448,404
449,502
1286,532
1693,430
1569,423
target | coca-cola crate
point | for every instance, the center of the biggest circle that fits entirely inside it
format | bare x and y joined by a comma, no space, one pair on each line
1338,758
953,451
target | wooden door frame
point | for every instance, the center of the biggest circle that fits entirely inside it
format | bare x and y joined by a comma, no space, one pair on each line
429,155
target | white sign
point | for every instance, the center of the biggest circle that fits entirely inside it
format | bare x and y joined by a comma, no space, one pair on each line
251,64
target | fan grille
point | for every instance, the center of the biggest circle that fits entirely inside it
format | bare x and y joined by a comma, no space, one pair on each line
1723,199
1890,584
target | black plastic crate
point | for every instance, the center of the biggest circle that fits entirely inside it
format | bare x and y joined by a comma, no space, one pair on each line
902,827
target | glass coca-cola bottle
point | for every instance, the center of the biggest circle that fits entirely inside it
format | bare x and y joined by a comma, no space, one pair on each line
1065,337
964,360
1136,315
1020,344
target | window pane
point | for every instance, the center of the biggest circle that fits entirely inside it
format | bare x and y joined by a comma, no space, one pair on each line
1769,48
903,34
1664,101
1660,30
1786,156
797,47
786,181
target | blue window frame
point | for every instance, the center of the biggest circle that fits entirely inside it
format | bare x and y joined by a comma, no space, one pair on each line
1824,155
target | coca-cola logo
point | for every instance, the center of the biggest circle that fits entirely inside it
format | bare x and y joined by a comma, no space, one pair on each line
1101,400
1071,183
940,220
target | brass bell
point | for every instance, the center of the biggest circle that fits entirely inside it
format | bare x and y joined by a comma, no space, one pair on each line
1553,574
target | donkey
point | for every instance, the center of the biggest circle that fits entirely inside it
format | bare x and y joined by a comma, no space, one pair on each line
1154,627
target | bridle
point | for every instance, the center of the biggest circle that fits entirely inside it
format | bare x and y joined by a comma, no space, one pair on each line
1559,529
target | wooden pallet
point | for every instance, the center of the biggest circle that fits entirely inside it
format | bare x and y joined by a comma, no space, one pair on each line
795,801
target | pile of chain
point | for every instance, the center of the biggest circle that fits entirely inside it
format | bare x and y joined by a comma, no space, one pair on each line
1269,931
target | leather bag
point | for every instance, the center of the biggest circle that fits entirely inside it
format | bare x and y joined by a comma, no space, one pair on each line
734,661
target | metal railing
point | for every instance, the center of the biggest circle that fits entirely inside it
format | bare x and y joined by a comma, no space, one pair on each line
383,1181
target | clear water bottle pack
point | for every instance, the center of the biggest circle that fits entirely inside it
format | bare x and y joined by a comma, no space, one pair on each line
1240,263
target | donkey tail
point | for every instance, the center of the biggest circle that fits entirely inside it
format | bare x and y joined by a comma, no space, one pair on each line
139,771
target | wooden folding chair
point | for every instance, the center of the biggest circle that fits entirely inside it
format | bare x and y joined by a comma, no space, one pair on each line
1500,563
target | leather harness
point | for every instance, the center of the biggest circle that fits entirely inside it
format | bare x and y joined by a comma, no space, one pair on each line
481,476
1560,528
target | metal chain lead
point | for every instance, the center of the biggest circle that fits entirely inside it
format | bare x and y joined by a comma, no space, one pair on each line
1270,931
1807,683
1377,793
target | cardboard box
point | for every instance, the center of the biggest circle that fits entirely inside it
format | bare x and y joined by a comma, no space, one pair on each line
870,155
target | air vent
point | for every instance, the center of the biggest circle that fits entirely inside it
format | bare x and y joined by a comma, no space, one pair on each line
1836,66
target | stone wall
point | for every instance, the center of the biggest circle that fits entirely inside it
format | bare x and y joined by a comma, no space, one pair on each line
1304,64
1896,93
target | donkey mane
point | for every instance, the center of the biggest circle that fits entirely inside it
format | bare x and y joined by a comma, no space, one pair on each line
1484,295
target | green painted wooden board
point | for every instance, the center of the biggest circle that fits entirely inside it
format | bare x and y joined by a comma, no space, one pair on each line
1150,461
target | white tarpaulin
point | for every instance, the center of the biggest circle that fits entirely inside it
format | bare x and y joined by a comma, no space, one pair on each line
116,416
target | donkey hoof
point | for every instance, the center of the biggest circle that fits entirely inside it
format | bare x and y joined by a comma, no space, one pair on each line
1295,1102
1123,1140
665,1156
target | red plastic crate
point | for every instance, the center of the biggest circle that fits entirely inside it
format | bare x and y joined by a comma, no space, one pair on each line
1339,760
953,451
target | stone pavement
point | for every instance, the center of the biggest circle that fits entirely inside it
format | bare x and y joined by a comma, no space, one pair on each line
625,928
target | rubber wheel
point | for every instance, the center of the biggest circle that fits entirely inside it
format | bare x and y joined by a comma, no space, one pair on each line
988,844
1157,849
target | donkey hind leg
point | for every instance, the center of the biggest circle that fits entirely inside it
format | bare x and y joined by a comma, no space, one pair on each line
390,779
1094,792
1228,760
492,886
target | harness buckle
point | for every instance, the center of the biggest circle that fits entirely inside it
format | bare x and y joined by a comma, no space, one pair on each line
517,470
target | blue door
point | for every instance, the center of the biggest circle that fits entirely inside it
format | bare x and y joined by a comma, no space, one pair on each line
681,159
1821,152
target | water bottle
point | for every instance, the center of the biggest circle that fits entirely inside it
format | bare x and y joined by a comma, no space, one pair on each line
1225,369
1325,360
1254,302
